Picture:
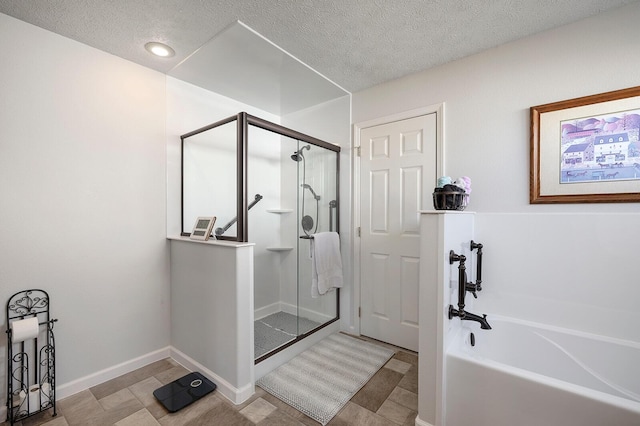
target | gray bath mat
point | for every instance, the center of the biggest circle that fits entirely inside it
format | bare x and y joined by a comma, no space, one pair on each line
322,379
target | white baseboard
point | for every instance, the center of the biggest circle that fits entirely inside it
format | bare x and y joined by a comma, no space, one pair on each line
233,394
71,388
266,311
305,313
291,309
421,422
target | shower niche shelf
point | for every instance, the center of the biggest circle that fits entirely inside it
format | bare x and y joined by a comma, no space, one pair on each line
279,211
280,248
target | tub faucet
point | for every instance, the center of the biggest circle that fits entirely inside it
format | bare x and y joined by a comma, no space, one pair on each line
462,290
468,316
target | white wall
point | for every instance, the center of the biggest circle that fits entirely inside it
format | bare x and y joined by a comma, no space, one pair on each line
190,108
570,265
83,193
212,312
440,233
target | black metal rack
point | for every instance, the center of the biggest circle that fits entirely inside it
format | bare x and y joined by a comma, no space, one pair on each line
31,363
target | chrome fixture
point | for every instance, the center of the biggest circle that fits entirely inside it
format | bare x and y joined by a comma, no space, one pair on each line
298,155
307,221
307,186
219,231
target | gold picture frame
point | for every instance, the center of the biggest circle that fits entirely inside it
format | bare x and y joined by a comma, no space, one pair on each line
586,150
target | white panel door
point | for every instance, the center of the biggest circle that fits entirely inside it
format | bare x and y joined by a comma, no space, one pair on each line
397,176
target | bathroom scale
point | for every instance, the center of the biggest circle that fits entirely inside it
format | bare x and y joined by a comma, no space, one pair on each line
186,390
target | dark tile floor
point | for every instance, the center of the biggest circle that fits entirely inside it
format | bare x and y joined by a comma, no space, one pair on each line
390,398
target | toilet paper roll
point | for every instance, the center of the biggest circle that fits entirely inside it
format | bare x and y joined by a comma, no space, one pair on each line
37,396
25,329
18,399
34,398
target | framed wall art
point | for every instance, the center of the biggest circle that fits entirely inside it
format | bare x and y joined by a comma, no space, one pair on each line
586,150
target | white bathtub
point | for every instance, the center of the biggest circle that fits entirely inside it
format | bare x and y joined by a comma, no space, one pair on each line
522,373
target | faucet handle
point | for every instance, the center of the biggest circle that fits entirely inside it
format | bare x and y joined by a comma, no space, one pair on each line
472,288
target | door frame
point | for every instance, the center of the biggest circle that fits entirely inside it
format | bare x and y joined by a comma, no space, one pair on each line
437,109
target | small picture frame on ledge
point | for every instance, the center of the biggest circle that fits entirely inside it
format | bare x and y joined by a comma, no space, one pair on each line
202,228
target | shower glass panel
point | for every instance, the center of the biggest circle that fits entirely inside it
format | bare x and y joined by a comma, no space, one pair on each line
317,212
297,181
271,173
209,175
273,187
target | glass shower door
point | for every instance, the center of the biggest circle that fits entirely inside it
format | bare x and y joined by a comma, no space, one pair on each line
317,213
297,181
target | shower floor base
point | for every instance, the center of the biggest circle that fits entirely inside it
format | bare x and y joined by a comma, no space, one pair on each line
277,329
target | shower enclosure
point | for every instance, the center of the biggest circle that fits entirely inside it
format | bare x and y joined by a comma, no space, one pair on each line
273,187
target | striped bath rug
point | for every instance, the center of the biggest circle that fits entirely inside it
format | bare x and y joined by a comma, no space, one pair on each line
322,379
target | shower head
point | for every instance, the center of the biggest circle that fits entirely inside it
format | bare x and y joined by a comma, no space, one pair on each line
307,186
298,156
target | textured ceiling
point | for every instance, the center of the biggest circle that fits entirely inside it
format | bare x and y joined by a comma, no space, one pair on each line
354,43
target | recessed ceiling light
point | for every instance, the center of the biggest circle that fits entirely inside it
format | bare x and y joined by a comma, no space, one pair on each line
159,49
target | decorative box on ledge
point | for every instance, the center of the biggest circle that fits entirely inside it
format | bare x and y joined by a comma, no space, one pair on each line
450,200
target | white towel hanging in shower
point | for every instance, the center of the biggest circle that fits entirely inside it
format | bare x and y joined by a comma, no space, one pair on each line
326,263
